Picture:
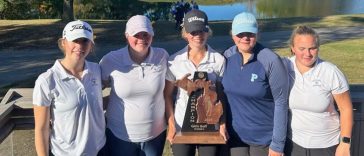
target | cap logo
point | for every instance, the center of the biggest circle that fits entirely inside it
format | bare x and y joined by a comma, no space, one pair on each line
245,22
195,18
81,26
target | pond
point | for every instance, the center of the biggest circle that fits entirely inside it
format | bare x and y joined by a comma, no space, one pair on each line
161,9
284,8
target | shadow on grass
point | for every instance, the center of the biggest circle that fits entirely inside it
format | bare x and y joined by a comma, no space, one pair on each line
28,83
356,19
111,32
17,36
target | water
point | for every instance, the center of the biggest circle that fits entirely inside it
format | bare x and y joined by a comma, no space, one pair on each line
284,8
224,12
160,9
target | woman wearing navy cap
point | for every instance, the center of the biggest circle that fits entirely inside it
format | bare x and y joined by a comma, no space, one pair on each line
196,56
256,85
67,98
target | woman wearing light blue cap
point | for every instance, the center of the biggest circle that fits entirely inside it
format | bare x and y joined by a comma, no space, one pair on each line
67,98
256,85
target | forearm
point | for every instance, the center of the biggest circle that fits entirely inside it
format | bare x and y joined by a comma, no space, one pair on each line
345,106
346,122
280,120
169,111
279,127
278,81
41,130
107,91
42,142
168,97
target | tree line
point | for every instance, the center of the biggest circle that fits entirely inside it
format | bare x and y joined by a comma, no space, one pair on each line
68,10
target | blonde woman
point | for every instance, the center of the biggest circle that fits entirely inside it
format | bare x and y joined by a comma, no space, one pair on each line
67,98
316,86
196,56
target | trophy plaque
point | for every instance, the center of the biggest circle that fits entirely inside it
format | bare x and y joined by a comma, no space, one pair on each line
201,123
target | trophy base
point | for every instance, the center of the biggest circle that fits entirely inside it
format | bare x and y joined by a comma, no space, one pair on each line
198,138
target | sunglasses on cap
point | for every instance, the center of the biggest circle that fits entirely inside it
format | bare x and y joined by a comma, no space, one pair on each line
195,33
245,34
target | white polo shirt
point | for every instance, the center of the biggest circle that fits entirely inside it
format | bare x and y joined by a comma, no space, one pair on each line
179,65
136,109
314,120
78,123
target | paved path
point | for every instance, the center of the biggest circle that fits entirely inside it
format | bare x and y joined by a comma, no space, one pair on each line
17,67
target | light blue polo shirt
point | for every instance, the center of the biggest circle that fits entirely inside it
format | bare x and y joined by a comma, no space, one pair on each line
257,94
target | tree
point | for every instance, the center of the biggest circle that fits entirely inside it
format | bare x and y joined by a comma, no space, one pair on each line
67,14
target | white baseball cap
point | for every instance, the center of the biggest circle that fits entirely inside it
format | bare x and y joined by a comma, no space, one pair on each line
78,29
139,23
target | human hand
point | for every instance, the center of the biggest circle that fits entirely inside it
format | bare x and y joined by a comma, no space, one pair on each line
186,84
223,132
274,153
343,149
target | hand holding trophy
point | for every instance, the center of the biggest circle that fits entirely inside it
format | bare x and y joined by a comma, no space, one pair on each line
204,110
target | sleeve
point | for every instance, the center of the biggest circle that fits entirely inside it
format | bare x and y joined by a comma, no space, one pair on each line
278,81
286,62
339,82
105,67
164,60
221,71
165,57
230,51
41,93
290,72
170,76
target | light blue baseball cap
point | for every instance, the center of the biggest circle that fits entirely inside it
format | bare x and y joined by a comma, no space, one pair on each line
244,22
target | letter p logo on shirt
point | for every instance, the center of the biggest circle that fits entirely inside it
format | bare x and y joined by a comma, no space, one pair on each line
254,77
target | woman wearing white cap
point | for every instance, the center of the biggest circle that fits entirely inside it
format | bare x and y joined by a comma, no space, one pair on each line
195,57
135,112
256,85
67,99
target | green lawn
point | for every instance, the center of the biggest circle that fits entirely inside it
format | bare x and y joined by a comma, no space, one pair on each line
348,55
44,33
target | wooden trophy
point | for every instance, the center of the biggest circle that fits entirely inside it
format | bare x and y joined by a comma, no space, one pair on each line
201,123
